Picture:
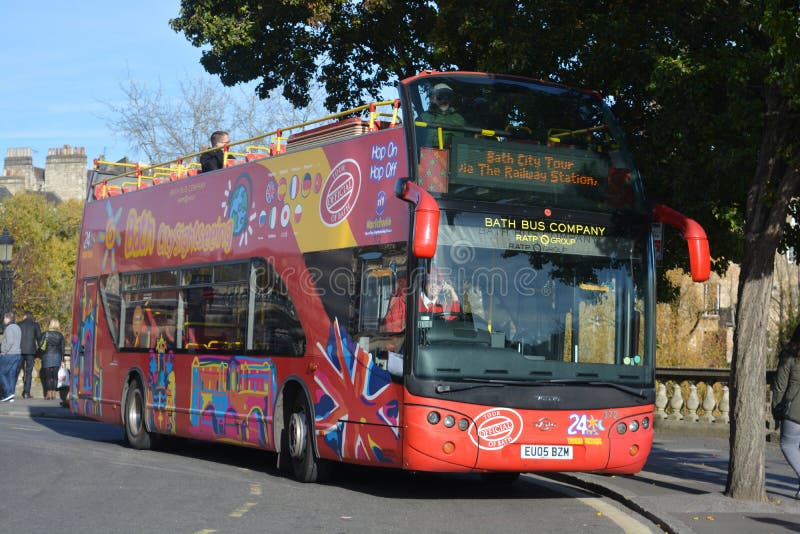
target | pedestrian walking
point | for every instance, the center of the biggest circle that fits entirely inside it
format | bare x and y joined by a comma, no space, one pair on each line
10,357
52,347
31,334
785,402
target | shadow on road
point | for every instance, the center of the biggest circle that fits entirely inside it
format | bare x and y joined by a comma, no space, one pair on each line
380,482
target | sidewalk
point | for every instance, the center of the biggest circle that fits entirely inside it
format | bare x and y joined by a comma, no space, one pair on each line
681,487
36,407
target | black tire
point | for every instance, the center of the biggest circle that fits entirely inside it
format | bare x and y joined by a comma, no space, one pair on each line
306,467
136,434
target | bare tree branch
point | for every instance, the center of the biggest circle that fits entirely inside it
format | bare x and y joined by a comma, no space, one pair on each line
160,127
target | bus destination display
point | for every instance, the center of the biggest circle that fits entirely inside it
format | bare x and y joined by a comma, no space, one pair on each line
519,166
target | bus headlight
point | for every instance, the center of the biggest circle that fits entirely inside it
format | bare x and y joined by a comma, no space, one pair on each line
634,426
621,428
434,417
449,421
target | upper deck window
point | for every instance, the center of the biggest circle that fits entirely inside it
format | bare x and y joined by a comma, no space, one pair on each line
519,141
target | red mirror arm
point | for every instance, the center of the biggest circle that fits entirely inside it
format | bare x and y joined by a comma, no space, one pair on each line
699,255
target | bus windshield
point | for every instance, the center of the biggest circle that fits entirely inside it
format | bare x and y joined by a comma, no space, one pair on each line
535,300
513,140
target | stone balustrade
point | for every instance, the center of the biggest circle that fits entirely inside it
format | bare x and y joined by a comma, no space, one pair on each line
698,401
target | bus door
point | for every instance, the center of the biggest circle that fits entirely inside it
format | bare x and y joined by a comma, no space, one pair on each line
359,380
86,384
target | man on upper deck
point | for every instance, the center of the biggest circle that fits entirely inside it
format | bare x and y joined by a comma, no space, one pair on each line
211,161
441,112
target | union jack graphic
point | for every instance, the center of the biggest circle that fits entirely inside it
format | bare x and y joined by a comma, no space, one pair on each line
356,401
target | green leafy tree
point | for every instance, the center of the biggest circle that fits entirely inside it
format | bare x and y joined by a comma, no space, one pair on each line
707,90
45,251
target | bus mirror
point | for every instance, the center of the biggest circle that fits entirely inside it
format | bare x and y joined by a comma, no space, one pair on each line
699,256
426,217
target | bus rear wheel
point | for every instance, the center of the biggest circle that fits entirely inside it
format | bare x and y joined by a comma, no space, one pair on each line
305,464
136,435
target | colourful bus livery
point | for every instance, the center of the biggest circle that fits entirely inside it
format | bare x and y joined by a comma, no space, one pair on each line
389,288
231,399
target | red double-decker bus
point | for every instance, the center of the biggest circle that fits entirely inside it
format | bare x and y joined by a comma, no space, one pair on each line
460,280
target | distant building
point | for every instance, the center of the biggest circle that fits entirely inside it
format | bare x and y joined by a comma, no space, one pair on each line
65,174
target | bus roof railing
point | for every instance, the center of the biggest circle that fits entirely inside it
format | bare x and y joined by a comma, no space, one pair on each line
134,176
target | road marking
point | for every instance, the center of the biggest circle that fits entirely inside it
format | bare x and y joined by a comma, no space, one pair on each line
28,428
255,490
628,524
239,512
625,521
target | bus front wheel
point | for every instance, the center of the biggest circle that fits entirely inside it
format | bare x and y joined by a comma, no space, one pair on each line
136,435
305,464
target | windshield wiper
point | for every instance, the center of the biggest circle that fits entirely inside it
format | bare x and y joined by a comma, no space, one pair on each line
480,382
446,388
600,383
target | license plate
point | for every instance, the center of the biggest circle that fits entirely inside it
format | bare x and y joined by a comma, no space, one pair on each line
546,452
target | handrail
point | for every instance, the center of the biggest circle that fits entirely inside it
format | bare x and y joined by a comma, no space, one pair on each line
177,168
278,133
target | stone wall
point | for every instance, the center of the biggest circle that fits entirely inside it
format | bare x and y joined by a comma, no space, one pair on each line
18,171
64,175
65,172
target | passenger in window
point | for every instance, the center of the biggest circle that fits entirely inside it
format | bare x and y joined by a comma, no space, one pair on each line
395,319
139,335
441,113
167,332
211,161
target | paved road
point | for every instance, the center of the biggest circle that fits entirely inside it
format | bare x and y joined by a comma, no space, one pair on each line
680,489
80,472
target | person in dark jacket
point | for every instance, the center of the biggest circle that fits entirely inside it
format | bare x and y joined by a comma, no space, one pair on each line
52,344
211,161
787,386
31,332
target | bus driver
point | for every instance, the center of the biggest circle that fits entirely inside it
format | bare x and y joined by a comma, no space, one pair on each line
440,297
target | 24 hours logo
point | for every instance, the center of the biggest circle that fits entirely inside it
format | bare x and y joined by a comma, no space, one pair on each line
584,425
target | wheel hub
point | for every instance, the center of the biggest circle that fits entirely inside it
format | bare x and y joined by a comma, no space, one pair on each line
135,415
298,430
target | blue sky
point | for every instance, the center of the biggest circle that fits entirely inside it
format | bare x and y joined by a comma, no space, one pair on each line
62,60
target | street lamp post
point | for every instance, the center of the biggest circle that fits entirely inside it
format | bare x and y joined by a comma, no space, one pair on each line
6,274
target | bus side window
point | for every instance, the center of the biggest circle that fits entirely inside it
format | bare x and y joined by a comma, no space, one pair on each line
377,285
276,325
112,304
